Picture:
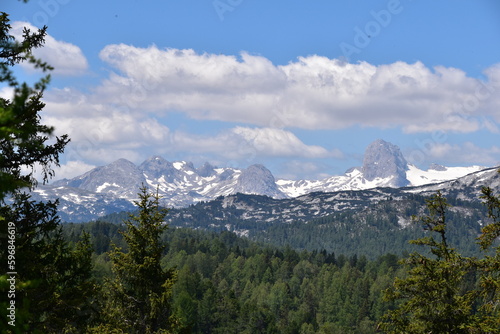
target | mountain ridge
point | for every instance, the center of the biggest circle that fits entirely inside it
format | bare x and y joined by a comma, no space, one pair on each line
181,184
372,221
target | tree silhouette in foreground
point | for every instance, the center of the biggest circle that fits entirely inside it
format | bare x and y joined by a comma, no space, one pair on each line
53,287
432,294
489,267
138,297
23,139
439,294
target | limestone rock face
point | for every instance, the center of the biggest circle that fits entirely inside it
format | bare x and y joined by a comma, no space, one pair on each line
257,179
121,177
385,160
206,170
156,167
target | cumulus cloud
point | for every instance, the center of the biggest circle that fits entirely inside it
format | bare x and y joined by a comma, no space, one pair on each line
243,143
313,92
118,118
100,133
66,58
281,143
464,154
72,169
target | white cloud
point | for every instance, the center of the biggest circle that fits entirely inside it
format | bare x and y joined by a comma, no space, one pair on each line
84,119
101,133
465,154
312,93
187,71
66,58
242,143
281,143
72,169
6,93
118,119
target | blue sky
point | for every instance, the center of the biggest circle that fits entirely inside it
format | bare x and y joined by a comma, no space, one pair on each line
299,86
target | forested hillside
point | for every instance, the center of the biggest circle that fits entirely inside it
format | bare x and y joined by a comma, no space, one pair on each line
371,227
228,284
386,227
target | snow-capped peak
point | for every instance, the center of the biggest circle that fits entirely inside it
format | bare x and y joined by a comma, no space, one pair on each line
180,183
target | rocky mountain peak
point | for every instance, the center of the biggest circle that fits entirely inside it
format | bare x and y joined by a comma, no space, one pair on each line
437,167
120,173
156,167
206,170
385,160
154,163
257,179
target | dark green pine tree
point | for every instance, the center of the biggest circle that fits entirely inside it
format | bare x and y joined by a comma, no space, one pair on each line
23,139
52,283
54,289
139,295
431,298
489,267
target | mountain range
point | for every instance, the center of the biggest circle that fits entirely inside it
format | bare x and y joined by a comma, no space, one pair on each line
114,187
371,222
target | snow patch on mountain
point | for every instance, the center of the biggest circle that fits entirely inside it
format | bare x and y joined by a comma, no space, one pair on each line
467,187
418,177
353,180
181,184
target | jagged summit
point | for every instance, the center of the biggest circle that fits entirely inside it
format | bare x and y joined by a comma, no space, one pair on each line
179,183
157,167
155,164
383,160
383,166
118,177
206,170
111,187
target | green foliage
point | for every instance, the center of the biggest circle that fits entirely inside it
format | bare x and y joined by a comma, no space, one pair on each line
54,289
490,232
263,290
102,234
489,266
227,284
431,294
138,295
437,295
53,286
23,139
